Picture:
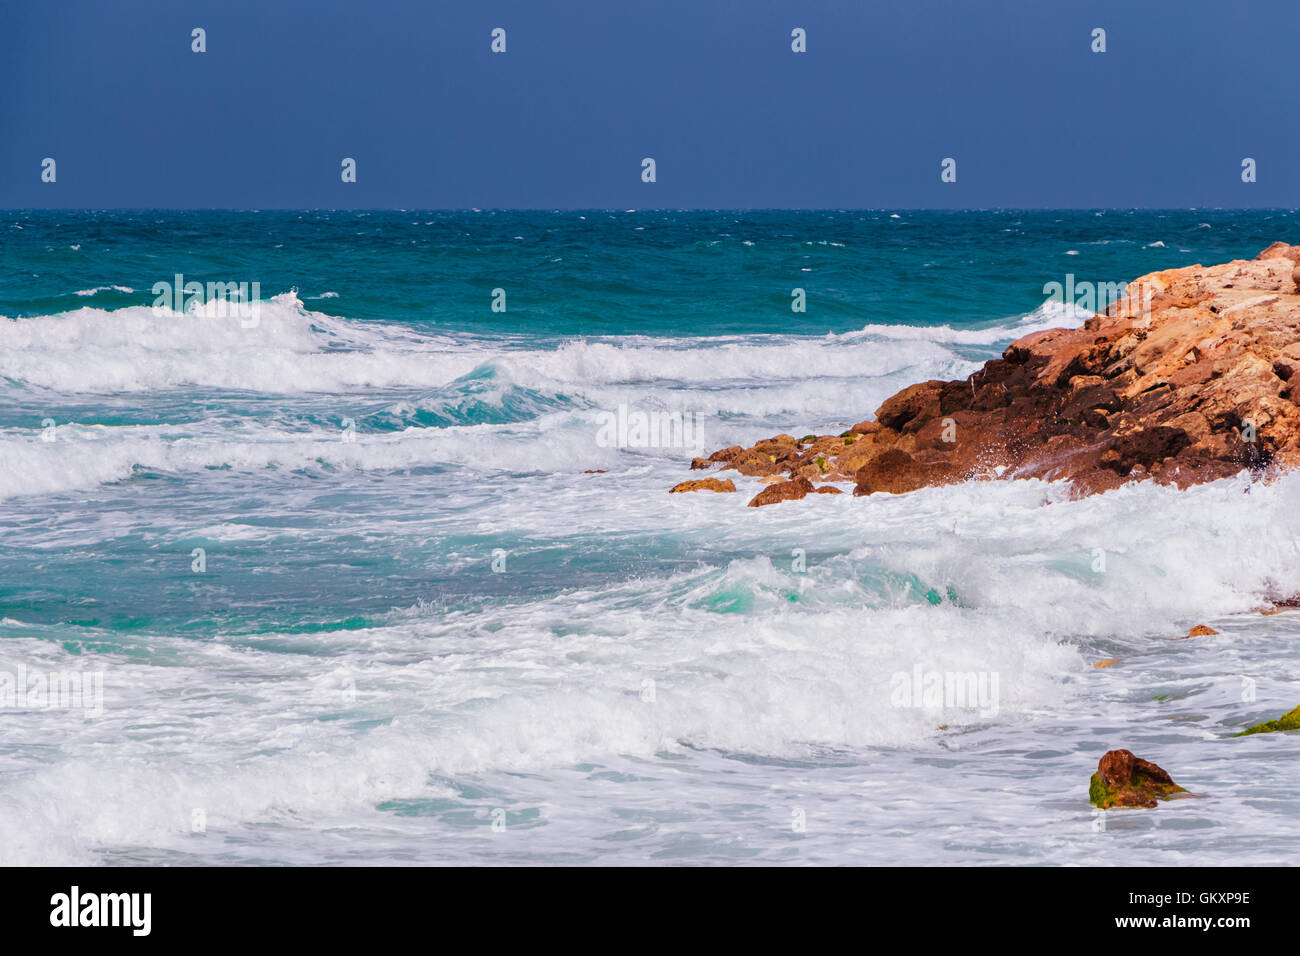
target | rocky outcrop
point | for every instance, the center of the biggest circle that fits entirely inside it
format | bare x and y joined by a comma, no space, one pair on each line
1123,780
1191,378
1288,721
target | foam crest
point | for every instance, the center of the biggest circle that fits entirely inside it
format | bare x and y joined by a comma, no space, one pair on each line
284,348
290,349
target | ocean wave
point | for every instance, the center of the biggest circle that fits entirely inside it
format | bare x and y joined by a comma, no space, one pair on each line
294,350
738,653
1051,314
84,456
289,349
742,654
105,288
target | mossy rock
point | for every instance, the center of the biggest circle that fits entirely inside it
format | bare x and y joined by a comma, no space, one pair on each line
1288,721
849,440
1123,780
1099,795
807,438
847,434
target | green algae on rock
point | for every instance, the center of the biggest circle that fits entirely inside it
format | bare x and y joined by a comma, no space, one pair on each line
1123,780
1288,721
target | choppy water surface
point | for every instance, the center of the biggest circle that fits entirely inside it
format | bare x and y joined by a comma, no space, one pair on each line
641,678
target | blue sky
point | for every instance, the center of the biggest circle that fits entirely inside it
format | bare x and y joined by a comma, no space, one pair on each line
587,88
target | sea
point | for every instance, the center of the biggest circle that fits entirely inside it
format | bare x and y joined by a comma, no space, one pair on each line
354,570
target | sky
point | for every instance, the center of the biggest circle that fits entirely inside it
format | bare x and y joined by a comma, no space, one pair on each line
587,89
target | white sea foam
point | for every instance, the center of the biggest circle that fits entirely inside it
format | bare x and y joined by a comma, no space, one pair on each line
295,350
105,288
1052,314
85,456
290,349
716,658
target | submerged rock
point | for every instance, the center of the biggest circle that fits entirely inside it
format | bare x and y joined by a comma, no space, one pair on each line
1278,605
1288,721
1189,379
1200,630
703,484
1123,780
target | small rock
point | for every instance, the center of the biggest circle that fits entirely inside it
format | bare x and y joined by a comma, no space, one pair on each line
1288,721
1123,780
596,471
828,490
784,491
703,484
1200,630
1107,662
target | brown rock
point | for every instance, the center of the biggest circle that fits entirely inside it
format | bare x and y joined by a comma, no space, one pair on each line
784,491
896,472
753,463
726,454
1279,250
1200,630
912,404
703,484
1108,662
1123,780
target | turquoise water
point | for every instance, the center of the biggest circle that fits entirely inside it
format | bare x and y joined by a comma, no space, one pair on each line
361,579
617,273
